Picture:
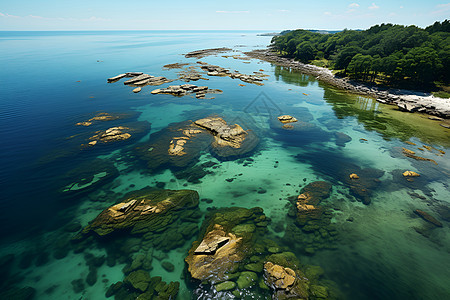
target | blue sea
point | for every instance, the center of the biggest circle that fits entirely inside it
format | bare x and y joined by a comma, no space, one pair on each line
373,245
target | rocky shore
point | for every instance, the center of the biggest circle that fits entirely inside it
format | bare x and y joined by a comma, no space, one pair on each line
409,101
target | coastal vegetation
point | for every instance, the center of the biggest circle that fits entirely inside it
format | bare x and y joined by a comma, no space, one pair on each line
393,55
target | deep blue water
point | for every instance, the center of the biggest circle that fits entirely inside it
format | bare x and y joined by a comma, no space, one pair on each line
49,81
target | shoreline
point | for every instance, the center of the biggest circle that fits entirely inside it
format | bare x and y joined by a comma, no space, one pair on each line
405,100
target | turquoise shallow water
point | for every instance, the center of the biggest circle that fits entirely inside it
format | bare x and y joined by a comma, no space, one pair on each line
51,81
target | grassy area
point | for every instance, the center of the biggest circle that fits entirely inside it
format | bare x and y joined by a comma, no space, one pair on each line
443,90
324,63
442,94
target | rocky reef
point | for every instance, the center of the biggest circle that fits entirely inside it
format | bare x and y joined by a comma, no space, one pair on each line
143,212
232,258
180,144
312,229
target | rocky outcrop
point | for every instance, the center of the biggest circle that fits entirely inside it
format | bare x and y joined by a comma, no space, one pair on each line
283,275
213,70
118,133
405,100
412,154
181,144
139,80
206,52
182,90
100,117
229,140
410,174
227,241
287,119
142,212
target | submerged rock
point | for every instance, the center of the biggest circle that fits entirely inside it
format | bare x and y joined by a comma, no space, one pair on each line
142,212
87,177
308,201
342,139
427,217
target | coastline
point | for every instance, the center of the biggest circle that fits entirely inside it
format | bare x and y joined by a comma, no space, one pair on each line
405,100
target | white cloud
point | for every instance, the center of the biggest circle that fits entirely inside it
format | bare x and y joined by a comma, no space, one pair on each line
354,5
8,16
33,17
283,10
327,13
232,11
373,6
401,6
442,9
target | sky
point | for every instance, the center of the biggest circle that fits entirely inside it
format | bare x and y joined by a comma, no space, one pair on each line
216,15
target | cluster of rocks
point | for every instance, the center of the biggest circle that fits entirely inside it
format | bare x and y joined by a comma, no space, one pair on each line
139,79
213,70
232,256
412,154
181,144
312,230
206,52
184,89
118,133
103,116
139,285
132,231
405,100
190,74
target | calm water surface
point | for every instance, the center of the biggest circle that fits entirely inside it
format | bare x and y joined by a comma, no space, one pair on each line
52,80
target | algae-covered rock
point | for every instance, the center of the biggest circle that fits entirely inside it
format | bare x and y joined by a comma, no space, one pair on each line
225,244
307,202
286,282
138,279
144,211
247,279
225,286
229,140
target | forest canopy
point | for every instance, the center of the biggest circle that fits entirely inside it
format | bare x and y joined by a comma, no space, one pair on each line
388,54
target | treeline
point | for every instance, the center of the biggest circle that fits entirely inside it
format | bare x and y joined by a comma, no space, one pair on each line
386,53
